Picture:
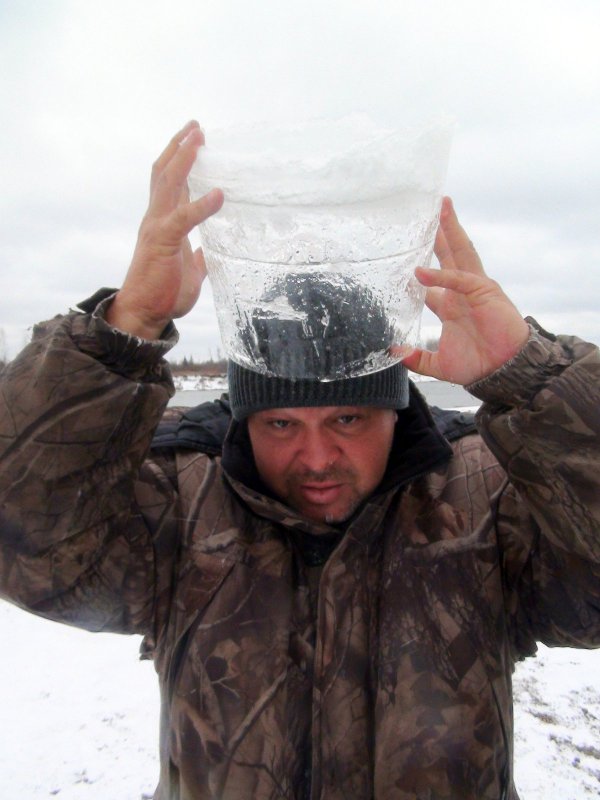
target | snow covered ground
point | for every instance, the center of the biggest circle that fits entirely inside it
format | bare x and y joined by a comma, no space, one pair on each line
200,383
79,717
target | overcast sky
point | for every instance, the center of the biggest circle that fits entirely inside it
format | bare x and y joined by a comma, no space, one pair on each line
91,92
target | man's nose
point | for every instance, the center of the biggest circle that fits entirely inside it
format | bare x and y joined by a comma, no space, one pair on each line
318,451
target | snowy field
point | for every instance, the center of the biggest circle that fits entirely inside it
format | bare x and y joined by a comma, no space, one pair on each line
79,717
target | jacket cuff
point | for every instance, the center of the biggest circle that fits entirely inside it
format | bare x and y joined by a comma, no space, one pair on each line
141,359
517,381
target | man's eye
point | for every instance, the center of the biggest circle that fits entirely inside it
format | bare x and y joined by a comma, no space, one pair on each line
279,424
347,419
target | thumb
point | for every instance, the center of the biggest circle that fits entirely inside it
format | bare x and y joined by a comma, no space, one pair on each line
199,265
191,284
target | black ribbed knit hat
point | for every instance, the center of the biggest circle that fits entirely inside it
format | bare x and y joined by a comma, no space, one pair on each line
251,391
324,329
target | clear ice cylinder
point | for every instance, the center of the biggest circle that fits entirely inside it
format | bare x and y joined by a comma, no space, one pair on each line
312,257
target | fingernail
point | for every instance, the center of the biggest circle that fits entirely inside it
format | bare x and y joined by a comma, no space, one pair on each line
195,136
186,129
215,197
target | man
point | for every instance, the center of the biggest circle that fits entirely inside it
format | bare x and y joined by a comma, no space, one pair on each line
335,605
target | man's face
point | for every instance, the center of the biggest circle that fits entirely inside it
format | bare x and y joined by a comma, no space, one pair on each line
323,462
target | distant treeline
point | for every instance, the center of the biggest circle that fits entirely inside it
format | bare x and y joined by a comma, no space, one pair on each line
189,366
186,366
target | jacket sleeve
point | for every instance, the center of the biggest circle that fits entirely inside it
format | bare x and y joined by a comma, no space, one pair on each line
541,419
77,411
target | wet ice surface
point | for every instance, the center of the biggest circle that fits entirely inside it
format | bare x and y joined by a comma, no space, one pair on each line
357,203
323,314
311,325
322,162
79,717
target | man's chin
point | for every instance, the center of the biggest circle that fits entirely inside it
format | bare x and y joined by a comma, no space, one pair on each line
336,519
328,515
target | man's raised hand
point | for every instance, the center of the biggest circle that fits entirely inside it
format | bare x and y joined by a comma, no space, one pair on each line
481,328
165,276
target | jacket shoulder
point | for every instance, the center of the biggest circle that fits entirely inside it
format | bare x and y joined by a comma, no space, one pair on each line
201,428
453,424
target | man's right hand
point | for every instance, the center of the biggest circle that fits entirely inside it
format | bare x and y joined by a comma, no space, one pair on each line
165,276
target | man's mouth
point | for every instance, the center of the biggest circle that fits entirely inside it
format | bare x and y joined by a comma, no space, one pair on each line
321,493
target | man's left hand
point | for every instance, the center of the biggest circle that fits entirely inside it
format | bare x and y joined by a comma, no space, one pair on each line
481,328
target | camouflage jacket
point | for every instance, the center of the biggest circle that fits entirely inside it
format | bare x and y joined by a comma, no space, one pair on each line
396,684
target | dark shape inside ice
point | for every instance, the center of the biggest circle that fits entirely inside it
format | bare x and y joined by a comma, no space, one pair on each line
326,325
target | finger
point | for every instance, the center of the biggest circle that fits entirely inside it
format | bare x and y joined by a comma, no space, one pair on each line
434,299
442,250
200,264
434,295
187,253
191,284
169,184
423,362
455,241
172,148
465,283
185,217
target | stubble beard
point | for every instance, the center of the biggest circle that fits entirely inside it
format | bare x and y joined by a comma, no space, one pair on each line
344,476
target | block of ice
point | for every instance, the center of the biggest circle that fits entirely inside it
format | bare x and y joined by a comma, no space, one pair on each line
345,202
